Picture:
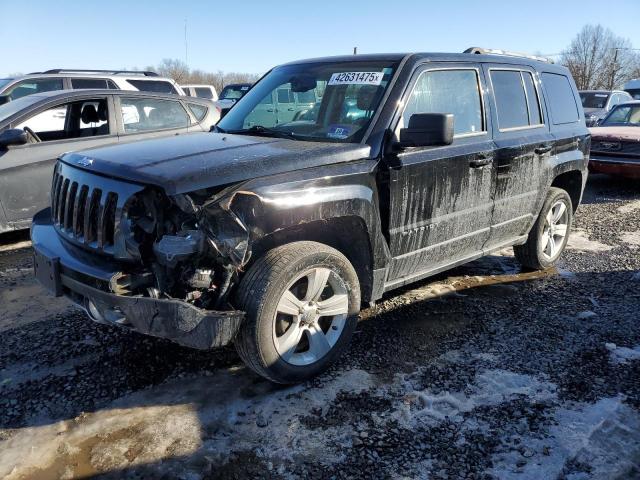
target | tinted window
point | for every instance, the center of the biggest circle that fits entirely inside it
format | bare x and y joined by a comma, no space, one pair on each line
535,117
560,96
285,95
158,86
199,111
448,91
511,100
146,114
88,83
112,86
233,92
306,97
594,99
29,87
203,92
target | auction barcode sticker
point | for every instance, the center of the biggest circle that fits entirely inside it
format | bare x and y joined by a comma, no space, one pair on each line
356,78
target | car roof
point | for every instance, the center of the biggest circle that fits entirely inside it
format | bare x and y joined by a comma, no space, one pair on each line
96,75
55,94
435,57
602,91
629,103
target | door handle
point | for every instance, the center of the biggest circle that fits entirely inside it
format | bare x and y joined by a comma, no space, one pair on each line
291,109
481,161
542,149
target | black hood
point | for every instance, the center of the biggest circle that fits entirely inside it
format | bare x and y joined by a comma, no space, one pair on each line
185,163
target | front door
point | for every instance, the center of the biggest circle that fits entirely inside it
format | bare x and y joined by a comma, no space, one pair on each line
523,146
441,196
26,170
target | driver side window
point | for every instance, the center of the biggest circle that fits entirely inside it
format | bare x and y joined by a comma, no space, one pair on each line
86,118
448,91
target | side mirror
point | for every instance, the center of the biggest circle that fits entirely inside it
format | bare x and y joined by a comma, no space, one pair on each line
14,136
4,99
427,129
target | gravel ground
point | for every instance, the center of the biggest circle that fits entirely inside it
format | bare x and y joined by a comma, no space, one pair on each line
485,372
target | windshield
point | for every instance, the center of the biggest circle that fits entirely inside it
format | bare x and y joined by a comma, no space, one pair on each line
593,99
316,101
634,92
233,92
623,116
4,81
18,105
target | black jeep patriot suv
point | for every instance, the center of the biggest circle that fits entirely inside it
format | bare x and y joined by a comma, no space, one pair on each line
331,182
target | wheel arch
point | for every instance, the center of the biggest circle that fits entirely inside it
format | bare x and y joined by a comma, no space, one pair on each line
572,182
356,247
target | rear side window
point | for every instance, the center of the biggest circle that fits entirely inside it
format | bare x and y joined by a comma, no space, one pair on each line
147,114
203,92
511,100
448,91
29,87
199,111
79,83
560,97
158,86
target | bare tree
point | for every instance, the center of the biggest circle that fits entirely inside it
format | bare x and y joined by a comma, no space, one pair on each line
598,59
180,72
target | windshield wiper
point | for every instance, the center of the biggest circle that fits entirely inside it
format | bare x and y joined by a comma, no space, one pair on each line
264,131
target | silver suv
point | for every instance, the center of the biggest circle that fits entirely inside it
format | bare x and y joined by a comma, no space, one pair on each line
61,79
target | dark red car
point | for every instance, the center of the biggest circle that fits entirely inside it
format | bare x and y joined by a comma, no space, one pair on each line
615,142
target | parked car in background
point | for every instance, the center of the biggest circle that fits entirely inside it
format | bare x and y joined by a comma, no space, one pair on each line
36,129
271,235
230,94
597,103
615,143
200,91
632,87
62,79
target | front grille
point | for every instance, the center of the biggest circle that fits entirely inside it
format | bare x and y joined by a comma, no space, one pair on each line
87,208
616,148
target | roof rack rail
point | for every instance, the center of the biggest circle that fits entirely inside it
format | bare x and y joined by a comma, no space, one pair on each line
110,72
495,51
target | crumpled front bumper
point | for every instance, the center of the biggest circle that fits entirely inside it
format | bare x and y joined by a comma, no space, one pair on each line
67,270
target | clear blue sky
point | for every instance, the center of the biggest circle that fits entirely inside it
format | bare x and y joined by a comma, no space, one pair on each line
252,36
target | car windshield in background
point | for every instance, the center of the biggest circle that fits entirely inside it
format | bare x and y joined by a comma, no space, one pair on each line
316,101
11,108
233,92
626,115
593,99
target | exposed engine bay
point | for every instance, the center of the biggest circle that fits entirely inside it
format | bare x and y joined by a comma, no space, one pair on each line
187,247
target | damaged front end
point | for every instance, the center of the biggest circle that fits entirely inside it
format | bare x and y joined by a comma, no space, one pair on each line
192,247
165,268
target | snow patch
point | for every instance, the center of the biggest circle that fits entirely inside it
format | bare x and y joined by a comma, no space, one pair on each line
623,354
629,207
631,238
579,240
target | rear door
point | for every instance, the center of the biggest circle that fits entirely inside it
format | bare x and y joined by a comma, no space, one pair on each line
441,196
524,145
141,117
26,170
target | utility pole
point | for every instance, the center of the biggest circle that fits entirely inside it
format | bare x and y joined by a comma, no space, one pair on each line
186,51
613,69
355,50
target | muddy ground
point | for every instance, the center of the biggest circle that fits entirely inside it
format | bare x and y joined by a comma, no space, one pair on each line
484,372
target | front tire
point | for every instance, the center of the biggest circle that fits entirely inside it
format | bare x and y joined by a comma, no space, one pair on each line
301,301
549,235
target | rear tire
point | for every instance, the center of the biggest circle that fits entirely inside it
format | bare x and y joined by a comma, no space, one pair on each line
301,301
549,235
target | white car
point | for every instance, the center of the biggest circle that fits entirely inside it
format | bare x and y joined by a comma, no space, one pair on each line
61,79
200,91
